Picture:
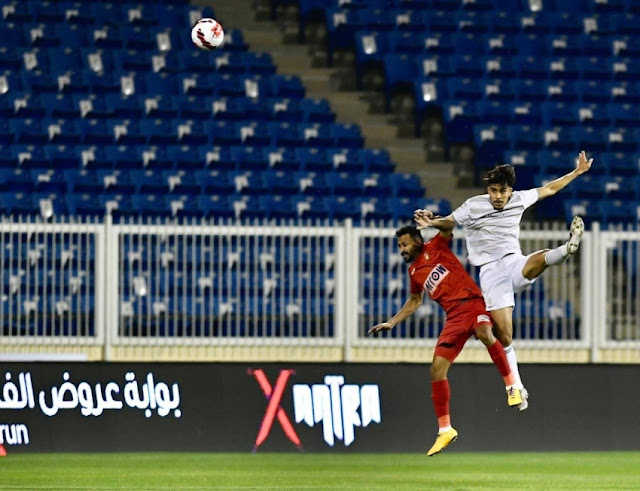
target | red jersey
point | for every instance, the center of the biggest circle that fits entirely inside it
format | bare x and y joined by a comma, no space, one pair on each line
439,272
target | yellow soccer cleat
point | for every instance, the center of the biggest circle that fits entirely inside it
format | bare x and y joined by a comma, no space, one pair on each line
514,397
442,441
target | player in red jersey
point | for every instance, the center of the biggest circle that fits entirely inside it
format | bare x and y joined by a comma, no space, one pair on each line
435,268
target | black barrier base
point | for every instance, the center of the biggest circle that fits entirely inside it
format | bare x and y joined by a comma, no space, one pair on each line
240,407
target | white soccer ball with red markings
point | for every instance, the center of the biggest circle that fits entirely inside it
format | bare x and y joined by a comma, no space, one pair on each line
207,34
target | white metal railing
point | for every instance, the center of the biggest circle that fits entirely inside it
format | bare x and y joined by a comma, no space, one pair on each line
72,284
222,284
52,283
616,288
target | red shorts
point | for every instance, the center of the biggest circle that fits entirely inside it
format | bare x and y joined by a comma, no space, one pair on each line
460,326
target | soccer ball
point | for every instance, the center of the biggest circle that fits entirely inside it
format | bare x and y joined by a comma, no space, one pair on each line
207,34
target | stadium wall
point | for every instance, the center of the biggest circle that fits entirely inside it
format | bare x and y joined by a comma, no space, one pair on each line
245,407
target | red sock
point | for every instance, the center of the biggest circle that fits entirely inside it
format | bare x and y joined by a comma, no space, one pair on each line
440,395
496,351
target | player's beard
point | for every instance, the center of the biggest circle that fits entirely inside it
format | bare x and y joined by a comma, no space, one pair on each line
409,257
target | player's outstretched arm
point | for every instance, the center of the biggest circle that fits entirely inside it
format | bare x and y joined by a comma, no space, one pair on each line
425,219
409,307
582,166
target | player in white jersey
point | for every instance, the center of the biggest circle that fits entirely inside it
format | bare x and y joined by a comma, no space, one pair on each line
492,232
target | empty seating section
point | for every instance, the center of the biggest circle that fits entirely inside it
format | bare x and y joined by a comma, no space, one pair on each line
108,107
517,78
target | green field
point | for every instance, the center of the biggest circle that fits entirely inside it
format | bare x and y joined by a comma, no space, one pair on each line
578,471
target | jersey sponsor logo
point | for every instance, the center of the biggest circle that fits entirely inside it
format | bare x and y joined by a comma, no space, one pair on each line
483,319
434,279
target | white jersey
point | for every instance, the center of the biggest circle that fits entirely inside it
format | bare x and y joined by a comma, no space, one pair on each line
491,234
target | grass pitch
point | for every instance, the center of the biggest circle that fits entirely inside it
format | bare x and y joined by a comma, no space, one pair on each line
610,470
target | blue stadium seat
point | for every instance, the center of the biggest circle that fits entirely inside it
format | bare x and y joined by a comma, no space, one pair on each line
620,163
60,105
627,23
105,36
624,69
316,111
466,66
277,206
82,181
406,185
27,131
584,208
195,107
61,131
617,211
103,83
217,157
490,141
623,115
184,157
620,188
401,42
281,159
374,209
13,34
595,46
168,84
562,91
344,184
341,208
16,180
459,119
346,160
84,204
311,207
215,182
530,90
312,183
621,140
564,45
281,183
593,114
287,86
25,105
490,112
250,158
149,181
623,92
527,113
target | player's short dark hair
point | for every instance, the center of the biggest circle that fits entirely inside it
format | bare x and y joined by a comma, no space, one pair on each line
501,174
411,230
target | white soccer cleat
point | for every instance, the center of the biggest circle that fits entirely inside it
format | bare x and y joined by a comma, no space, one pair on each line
576,231
525,400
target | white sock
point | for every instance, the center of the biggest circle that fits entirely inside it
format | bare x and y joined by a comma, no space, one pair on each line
513,365
443,429
557,255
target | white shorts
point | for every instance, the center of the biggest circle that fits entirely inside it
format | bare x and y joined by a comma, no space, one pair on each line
500,280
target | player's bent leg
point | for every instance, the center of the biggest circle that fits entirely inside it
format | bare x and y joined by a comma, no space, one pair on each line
535,265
